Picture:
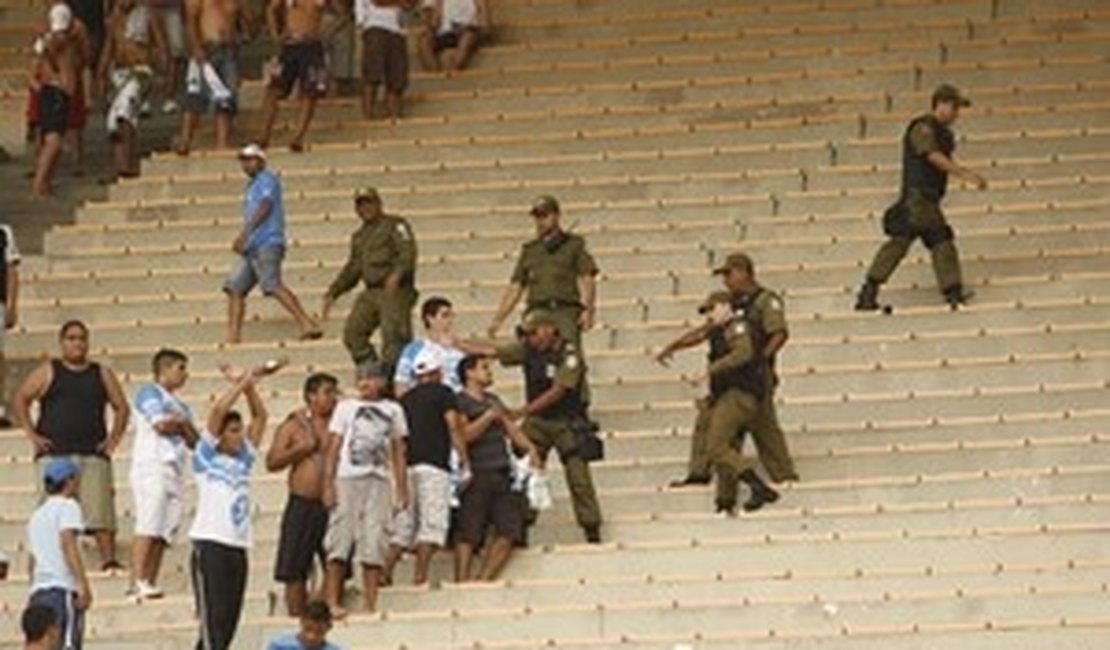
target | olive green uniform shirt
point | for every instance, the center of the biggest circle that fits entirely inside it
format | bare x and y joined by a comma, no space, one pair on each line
379,248
552,275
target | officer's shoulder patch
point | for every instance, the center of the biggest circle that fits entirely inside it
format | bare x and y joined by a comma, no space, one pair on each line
402,229
776,303
572,361
739,328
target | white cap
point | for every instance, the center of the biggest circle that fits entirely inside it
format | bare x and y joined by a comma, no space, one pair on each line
252,150
61,17
428,360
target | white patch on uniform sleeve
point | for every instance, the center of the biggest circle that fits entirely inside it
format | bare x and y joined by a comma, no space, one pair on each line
739,328
572,362
403,231
776,304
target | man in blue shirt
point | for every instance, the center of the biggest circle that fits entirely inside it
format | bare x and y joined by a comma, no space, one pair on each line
261,247
315,625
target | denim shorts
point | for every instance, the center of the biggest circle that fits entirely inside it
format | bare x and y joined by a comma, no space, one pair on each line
261,266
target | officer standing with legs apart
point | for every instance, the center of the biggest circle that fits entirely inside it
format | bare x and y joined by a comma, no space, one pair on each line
554,373
556,273
927,148
383,256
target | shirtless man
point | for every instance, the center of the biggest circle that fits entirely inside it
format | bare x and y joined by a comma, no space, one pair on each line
55,82
298,26
212,29
299,444
133,42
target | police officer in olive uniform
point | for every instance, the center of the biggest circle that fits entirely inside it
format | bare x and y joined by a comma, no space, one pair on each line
554,272
383,257
927,148
740,388
553,376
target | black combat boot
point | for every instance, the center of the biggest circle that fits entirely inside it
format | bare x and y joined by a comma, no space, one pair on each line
593,534
956,295
762,493
690,480
868,297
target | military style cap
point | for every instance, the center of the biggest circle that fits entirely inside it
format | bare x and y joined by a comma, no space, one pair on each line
537,318
738,261
714,299
949,93
544,204
367,194
369,369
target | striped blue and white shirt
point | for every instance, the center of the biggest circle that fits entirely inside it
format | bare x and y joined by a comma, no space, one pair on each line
223,493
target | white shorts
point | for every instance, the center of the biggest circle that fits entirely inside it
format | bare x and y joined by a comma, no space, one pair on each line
159,503
174,27
129,86
428,515
358,524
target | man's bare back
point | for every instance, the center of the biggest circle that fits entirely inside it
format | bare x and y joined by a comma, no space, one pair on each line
61,60
216,20
128,53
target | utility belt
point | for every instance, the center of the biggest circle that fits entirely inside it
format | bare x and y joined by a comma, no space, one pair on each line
554,303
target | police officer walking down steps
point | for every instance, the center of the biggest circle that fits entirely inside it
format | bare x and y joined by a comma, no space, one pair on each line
383,257
740,386
927,149
554,373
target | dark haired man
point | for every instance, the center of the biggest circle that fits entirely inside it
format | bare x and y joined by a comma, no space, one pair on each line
73,394
299,445
40,628
315,625
438,316
927,148
221,530
58,579
164,431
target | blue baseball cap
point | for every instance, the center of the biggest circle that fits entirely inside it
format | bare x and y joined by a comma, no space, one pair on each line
60,470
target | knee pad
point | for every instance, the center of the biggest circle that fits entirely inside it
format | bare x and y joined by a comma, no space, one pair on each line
934,237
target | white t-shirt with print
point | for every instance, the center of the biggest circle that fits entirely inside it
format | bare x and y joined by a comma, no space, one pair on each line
367,427
44,538
223,493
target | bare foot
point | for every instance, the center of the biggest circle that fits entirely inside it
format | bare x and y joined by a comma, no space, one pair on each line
296,146
337,612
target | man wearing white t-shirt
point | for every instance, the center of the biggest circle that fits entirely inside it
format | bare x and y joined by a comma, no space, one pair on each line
58,579
385,55
164,433
366,452
453,24
221,530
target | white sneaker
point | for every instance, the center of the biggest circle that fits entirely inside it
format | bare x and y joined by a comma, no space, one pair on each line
146,591
145,110
169,107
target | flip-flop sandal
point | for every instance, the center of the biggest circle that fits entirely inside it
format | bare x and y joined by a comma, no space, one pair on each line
313,335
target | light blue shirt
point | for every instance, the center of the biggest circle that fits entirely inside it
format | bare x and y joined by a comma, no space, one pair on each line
449,357
291,642
44,538
152,405
264,186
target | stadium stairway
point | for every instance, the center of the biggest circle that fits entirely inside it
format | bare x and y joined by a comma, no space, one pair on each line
954,464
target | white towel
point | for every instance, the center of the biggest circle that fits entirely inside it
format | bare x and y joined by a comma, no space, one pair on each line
198,76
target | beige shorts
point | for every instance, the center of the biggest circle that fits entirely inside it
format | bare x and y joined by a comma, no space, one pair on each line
358,525
428,514
97,493
159,502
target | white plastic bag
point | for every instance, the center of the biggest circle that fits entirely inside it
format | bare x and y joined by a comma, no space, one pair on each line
539,491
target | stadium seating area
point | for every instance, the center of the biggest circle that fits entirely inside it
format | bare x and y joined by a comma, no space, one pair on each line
954,464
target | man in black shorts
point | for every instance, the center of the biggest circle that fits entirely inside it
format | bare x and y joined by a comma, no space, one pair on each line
299,445
298,26
459,25
487,500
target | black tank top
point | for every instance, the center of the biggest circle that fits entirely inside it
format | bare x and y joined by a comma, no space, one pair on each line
71,412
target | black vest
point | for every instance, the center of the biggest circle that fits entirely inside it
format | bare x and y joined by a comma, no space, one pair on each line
539,375
72,410
917,172
751,378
